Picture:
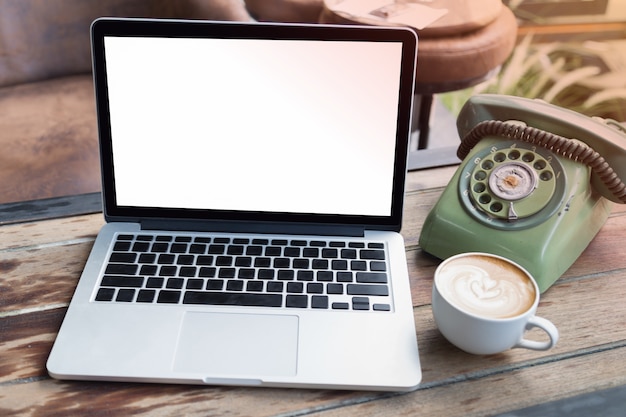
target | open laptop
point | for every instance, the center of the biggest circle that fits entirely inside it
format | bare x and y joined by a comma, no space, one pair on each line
253,181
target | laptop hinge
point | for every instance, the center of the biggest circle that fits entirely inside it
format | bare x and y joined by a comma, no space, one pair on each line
254,227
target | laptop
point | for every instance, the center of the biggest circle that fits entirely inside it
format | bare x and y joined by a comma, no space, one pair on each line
253,181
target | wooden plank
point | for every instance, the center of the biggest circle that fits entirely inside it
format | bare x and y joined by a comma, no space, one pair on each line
35,278
26,236
479,394
29,273
596,303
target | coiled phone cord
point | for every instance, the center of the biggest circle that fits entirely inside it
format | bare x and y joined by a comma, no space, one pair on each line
568,148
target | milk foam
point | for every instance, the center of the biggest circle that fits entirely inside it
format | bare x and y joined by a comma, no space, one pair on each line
486,286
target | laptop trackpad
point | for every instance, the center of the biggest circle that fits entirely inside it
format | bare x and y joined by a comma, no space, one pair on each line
246,345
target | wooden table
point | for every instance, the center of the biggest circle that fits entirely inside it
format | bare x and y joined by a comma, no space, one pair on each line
40,262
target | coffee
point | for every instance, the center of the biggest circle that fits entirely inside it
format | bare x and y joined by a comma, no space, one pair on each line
486,286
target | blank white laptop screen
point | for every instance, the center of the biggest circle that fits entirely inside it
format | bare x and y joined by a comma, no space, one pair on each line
291,125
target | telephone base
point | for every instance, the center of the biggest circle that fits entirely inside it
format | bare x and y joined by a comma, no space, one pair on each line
545,251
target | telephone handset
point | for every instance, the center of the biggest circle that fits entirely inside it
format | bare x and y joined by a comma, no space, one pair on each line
535,185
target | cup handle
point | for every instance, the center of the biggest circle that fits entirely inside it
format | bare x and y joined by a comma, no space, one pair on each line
544,325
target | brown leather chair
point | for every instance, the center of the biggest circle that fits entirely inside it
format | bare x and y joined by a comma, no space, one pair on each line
48,137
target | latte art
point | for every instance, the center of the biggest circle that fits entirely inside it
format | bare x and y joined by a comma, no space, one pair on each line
486,287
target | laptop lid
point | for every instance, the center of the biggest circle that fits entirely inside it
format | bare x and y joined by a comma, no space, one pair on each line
308,123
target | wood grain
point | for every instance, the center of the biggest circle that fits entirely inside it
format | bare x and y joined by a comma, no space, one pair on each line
40,263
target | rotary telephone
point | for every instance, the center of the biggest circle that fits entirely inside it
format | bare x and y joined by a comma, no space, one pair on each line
535,185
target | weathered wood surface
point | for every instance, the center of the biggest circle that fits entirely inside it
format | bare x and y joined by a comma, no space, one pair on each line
40,263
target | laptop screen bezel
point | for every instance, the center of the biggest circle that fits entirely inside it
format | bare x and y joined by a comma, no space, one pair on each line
104,27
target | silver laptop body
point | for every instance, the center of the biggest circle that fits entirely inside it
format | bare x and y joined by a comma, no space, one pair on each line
253,181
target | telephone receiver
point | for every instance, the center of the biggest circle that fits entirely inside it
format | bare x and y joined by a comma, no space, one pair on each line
535,185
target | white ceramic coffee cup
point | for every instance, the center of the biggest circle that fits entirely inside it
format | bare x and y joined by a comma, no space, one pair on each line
484,304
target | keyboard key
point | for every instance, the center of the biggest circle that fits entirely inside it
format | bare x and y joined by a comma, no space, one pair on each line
233,298
372,254
341,306
286,274
319,264
348,254
297,301
215,284
160,247
216,249
147,258
295,287
381,307
319,301
175,283
282,263
207,272
266,274
146,296
185,260
358,265
292,252
226,273
121,281
244,261
235,250
169,297
330,253
224,261
371,277
254,250
275,286
339,265
234,285
204,260
367,289
307,275
187,271
360,303
148,270
273,251
315,288
334,289
105,294
254,286
123,257
155,282
263,262
378,266
198,248
141,247
195,284
325,276
125,295
166,259
168,271
121,269
246,273
121,246
343,276
301,263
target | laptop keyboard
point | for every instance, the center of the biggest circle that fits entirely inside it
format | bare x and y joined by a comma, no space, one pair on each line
289,273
